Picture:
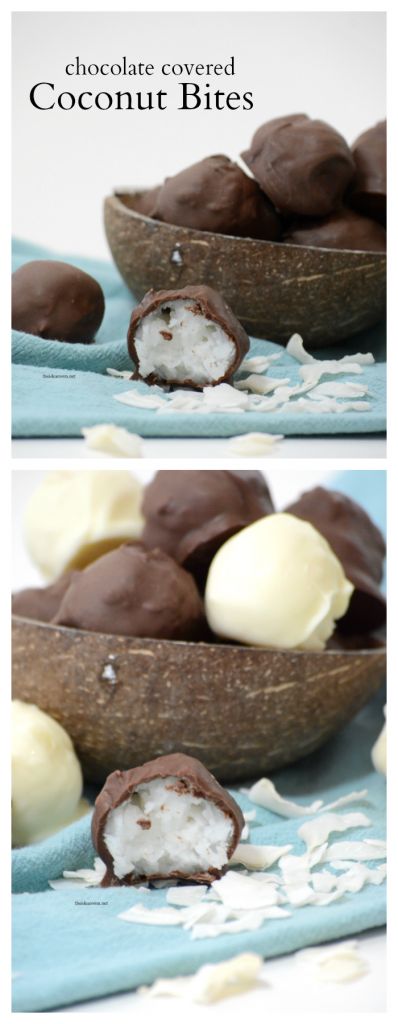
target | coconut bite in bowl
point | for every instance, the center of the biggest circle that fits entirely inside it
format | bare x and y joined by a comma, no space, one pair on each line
169,818
277,584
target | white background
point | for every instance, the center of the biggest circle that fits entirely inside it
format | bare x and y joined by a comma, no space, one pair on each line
329,65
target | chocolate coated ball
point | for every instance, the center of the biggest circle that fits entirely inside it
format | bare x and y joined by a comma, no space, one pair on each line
190,514
56,301
303,166
133,592
360,548
342,230
368,192
216,195
42,603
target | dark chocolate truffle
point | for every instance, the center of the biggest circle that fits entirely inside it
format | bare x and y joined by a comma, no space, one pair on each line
133,592
190,513
216,195
42,603
304,166
187,336
145,202
341,230
169,818
368,191
359,546
56,301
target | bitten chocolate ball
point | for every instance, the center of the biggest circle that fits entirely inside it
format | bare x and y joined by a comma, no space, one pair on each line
303,166
133,592
42,603
187,336
168,818
56,301
342,230
216,195
190,514
368,192
360,548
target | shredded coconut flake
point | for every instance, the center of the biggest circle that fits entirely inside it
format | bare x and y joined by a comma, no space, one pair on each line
84,877
211,982
315,832
185,895
358,851
113,440
260,385
339,962
257,857
265,794
240,892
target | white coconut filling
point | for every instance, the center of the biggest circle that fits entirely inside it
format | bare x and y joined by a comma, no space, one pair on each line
178,344
159,830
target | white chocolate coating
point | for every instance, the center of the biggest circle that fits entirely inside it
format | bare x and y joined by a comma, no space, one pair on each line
74,517
276,583
47,778
379,751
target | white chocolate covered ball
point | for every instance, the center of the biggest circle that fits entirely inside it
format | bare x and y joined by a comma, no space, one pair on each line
74,517
47,778
379,751
276,583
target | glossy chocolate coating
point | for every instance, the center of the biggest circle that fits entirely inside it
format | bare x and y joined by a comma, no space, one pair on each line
303,166
194,778
359,546
133,592
206,302
56,301
216,195
368,191
344,229
42,603
190,514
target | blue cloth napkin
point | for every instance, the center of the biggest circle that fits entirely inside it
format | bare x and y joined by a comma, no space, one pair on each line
59,388
71,946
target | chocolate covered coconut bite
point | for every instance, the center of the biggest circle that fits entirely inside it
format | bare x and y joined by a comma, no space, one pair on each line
56,301
42,603
190,514
188,336
216,195
368,192
359,546
303,166
344,229
169,818
133,592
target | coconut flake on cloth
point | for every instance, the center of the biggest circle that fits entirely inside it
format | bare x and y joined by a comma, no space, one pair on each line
261,392
265,794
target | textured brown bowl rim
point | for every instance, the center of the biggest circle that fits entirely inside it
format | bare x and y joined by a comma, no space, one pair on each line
116,199
201,643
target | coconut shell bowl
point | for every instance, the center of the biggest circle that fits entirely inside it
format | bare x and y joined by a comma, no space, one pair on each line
243,711
274,289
